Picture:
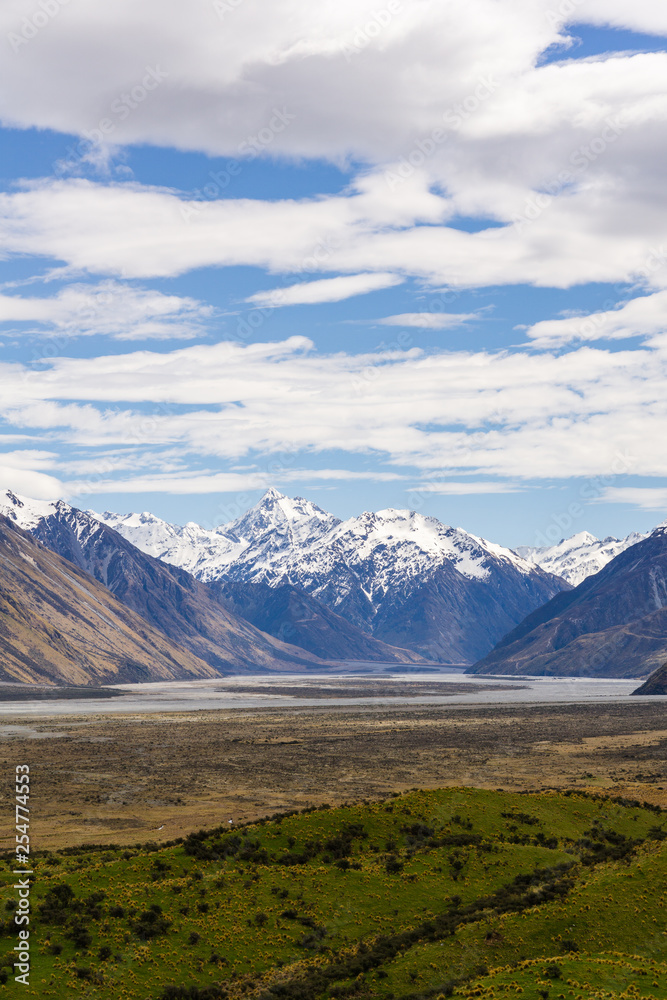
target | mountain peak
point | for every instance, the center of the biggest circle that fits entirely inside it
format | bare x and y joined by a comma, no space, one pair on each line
272,494
579,556
274,505
24,511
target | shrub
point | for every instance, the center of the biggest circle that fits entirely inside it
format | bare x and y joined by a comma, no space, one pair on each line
151,923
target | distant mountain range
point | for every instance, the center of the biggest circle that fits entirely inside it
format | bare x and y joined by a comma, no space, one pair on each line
614,624
231,629
398,576
289,586
578,557
57,624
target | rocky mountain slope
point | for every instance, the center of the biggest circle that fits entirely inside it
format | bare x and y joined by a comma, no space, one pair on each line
401,577
656,683
170,599
292,615
58,625
578,557
614,624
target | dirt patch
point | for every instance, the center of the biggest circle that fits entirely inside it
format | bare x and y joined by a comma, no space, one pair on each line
125,779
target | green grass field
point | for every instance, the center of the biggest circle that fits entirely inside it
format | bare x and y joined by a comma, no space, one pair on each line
458,892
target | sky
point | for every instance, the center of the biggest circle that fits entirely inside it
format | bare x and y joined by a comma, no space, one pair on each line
390,254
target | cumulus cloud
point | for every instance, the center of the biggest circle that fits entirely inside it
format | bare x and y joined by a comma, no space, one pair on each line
326,290
210,78
212,75
565,156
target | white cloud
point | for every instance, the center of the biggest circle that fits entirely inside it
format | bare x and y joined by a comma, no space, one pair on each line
428,321
640,317
508,415
24,472
446,104
215,482
111,309
457,489
137,232
326,290
347,80
641,15
451,114
360,79
641,497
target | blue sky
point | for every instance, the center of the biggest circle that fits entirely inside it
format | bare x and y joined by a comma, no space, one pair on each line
407,256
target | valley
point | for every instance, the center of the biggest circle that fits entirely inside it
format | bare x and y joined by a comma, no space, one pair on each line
125,778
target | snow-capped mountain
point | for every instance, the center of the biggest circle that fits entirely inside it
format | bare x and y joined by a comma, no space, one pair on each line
580,556
215,621
614,624
401,576
262,546
293,540
188,612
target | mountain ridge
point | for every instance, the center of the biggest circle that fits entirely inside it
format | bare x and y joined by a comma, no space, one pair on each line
579,556
170,599
59,625
401,577
613,624
228,632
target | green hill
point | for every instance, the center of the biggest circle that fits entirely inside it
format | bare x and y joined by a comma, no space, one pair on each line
428,894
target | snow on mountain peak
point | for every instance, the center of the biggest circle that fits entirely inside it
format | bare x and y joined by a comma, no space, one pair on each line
291,539
292,508
24,511
580,556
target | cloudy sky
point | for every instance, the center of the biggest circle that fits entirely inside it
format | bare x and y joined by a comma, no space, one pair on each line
406,253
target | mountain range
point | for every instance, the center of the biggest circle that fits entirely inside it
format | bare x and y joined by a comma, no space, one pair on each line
614,624
579,556
57,624
289,586
396,575
200,618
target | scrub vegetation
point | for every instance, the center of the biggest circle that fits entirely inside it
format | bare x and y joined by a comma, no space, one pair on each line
454,892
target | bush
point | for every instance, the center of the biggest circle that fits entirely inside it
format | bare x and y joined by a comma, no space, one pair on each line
151,923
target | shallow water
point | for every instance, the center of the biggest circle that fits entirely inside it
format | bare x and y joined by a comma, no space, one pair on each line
411,689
